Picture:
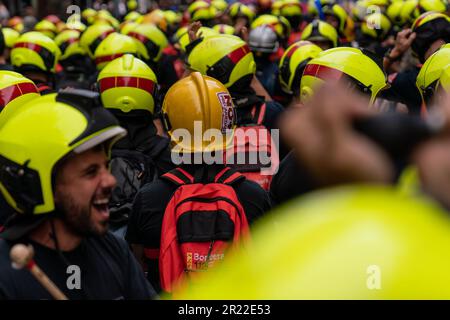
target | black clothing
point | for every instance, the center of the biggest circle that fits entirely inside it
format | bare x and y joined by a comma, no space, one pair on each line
5,211
291,180
245,105
141,136
108,270
6,67
165,72
76,74
403,89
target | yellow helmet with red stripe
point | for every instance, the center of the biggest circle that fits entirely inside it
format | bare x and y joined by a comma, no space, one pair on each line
112,47
15,90
93,36
150,41
127,84
358,66
224,57
35,51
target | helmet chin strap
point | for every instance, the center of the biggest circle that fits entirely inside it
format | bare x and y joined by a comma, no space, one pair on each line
55,240
53,235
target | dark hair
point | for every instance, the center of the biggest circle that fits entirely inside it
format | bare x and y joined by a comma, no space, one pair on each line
438,29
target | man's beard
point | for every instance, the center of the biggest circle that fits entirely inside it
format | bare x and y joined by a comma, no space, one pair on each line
78,218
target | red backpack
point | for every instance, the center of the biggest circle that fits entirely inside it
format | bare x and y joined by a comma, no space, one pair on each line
248,148
201,223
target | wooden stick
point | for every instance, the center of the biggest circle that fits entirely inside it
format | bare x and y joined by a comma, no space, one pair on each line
22,257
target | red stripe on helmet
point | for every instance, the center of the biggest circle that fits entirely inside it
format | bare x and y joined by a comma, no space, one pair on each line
293,49
72,40
10,93
105,34
420,19
238,53
131,82
108,58
322,72
28,45
138,36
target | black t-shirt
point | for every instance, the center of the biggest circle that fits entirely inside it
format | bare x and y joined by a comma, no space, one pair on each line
403,89
108,270
144,226
291,180
166,73
5,210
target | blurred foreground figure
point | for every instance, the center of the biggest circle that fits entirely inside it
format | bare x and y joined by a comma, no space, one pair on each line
363,241
348,243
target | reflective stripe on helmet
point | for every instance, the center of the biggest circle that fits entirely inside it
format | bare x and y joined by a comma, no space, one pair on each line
328,73
238,54
293,48
47,57
418,21
108,58
133,82
222,69
10,93
322,72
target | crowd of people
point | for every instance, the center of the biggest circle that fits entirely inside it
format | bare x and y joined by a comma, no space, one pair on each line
286,145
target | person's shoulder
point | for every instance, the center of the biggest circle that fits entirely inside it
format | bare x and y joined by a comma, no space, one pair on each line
5,246
157,186
249,188
5,262
153,196
274,106
408,74
108,243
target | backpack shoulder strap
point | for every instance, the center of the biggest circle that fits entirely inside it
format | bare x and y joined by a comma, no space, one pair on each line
258,113
228,176
178,176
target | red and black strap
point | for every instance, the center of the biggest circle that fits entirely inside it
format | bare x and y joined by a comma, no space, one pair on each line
178,176
228,176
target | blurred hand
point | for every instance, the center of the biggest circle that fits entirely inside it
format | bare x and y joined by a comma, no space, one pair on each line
403,42
244,34
240,28
433,160
193,29
325,142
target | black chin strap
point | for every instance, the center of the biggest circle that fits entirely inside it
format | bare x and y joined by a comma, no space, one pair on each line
55,240
84,287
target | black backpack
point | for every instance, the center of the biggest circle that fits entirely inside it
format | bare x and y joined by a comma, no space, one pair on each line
132,169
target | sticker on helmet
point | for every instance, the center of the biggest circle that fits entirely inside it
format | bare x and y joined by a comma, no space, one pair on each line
227,110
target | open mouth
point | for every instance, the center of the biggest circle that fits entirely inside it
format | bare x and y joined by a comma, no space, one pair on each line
101,205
